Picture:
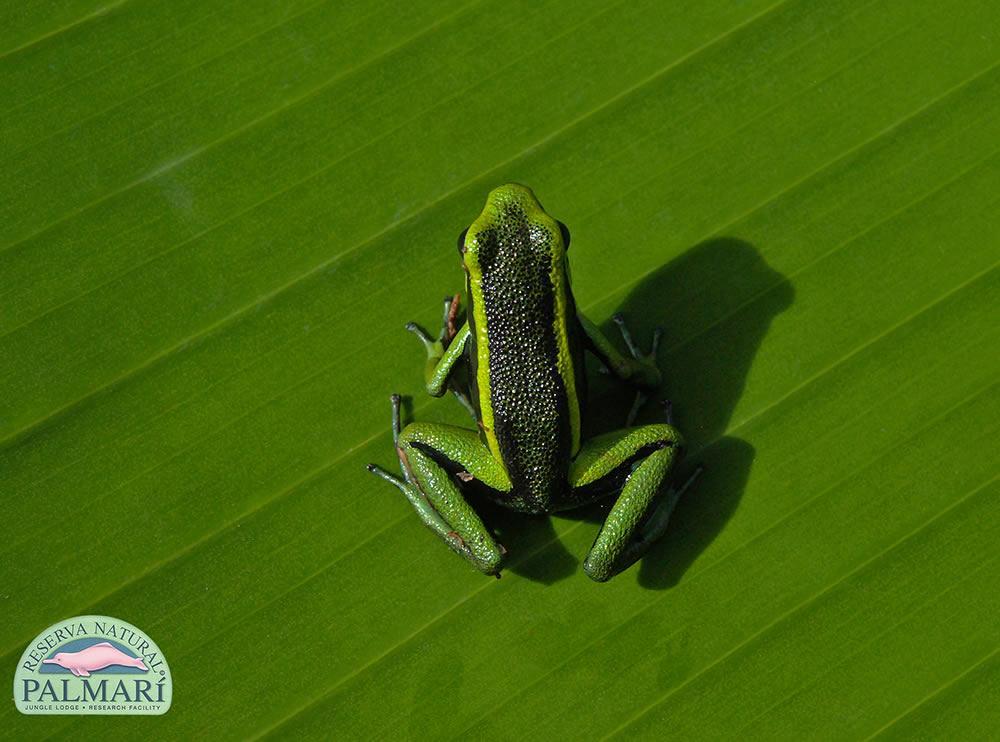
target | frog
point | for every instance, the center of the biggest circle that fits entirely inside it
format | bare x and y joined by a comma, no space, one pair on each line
517,364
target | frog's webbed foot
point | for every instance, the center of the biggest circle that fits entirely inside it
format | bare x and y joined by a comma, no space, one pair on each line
648,358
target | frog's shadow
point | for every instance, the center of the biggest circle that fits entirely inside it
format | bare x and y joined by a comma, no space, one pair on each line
715,303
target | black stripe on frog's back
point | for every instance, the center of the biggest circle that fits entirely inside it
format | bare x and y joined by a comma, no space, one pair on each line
527,393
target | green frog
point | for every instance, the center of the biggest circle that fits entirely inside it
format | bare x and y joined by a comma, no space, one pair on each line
517,364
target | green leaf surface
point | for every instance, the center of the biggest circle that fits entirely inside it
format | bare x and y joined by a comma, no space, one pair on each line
215,218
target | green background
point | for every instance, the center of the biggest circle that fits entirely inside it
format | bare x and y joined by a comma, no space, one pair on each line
215,218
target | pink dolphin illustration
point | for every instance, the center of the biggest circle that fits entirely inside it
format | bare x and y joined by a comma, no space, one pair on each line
94,657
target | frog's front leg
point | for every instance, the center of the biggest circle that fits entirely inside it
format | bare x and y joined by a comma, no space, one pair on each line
444,355
638,463
639,370
431,456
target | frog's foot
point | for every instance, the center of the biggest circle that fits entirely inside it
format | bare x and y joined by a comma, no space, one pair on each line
449,326
646,358
656,524
633,348
432,492
433,520
396,401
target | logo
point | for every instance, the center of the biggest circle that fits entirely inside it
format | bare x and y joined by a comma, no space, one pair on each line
92,665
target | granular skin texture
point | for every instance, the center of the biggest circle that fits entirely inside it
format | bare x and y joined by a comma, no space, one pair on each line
527,393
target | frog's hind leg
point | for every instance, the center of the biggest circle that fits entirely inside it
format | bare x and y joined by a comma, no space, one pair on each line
431,456
640,461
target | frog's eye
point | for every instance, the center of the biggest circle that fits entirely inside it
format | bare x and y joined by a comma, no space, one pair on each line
461,241
565,235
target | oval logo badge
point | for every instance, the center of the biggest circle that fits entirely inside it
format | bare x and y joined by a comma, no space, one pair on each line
92,665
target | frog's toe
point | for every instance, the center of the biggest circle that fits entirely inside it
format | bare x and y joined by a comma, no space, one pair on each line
421,333
637,404
633,348
657,337
388,476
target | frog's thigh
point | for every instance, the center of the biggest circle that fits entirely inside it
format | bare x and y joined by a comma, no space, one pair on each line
428,450
458,445
648,453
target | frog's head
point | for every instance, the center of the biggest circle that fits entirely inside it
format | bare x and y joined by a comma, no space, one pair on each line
513,226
